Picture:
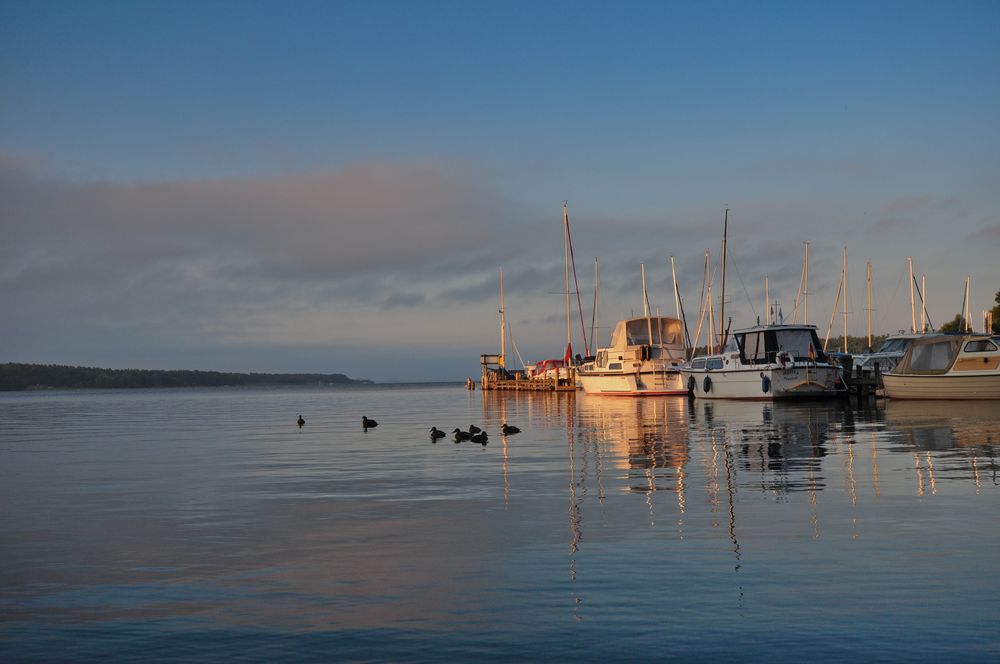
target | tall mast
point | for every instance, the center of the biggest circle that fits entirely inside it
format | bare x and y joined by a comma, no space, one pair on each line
923,304
845,300
722,300
503,327
566,245
968,279
869,307
767,303
595,320
677,293
645,305
711,322
913,311
805,293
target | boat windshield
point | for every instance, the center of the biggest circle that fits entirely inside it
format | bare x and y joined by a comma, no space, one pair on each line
932,356
894,345
761,346
665,331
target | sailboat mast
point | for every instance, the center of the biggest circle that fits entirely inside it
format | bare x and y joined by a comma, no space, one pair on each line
711,322
869,307
767,303
503,327
566,246
805,292
595,320
968,279
845,300
645,305
913,310
722,300
923,304
677,293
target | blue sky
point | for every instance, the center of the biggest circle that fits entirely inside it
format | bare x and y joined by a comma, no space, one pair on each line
333,186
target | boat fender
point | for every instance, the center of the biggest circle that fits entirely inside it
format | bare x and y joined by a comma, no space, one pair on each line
765,383
707,384
692,384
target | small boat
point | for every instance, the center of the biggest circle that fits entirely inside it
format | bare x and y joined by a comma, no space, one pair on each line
644,358
766,362
947,367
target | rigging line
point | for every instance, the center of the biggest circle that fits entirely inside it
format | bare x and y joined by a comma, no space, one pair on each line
576,284
510,334
749,301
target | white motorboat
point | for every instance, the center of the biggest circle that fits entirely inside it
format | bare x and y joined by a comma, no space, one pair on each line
644,358
947,367
766,362
888,354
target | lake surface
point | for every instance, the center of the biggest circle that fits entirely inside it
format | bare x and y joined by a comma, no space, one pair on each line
203,525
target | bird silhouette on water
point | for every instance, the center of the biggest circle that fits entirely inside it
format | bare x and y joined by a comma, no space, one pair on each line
474,429
482,438
461,435
436,433
509,430
367,424
300,421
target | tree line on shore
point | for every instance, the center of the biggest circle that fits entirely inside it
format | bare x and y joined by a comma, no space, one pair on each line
19,376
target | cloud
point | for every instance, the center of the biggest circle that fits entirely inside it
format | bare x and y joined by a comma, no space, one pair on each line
988,234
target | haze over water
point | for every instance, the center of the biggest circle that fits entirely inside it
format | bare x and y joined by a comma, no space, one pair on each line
192,525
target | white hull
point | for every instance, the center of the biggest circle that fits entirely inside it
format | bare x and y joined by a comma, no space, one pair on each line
764,382
947,386
647,383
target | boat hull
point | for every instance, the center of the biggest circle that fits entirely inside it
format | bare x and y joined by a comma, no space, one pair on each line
764,383
648,383
946,386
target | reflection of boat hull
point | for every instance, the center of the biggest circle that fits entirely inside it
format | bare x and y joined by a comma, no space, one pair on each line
643,383
802,381
947,386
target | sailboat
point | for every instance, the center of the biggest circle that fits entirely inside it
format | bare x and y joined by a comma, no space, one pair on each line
770,361
563,369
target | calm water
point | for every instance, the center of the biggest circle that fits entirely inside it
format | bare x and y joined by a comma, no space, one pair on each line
204,525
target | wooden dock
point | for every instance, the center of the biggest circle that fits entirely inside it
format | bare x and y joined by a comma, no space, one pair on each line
496,377
864,383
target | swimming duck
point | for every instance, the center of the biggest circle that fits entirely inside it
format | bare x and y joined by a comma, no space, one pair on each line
474,429
300,421
436,433
461,435
480,438
367,424
509,430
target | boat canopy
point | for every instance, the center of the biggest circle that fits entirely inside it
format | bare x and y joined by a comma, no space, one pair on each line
635,332
933,355
761,345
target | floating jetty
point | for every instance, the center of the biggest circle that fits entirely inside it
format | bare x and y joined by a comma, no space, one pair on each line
496,377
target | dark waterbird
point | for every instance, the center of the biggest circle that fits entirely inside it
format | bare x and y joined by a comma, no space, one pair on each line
480,438
300,421
474,429
436,433
461,435
509,430
367,424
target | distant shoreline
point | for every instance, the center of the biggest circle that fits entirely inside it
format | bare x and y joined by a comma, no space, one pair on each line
17,377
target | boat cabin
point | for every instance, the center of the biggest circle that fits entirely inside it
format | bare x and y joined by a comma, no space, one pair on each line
643,339
950,353
762,345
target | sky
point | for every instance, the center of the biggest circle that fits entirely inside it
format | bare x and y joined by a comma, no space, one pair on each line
334,186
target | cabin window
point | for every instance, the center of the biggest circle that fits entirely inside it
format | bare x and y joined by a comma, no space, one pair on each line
698,364
754,347
714,363
615,366
980,346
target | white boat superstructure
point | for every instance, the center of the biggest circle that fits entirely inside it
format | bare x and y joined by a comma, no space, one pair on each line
947,367
644,358
888,354
766,362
